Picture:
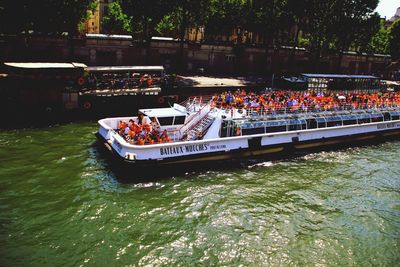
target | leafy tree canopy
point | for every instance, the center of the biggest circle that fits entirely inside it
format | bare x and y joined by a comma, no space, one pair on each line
394,39
116,21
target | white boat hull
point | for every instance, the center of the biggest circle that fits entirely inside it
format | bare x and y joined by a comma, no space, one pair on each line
244,146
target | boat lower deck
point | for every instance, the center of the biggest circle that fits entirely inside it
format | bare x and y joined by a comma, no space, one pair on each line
267,151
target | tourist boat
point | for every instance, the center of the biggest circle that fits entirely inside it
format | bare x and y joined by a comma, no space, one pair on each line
199,131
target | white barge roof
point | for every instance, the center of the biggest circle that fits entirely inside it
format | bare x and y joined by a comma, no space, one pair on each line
162,112
44,65
124,68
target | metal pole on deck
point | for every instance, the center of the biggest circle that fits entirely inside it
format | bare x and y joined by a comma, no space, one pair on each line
272,83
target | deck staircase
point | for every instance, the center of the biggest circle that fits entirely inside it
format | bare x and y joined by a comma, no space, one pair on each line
200,128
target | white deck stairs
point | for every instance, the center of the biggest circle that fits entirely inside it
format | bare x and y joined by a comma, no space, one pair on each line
200,129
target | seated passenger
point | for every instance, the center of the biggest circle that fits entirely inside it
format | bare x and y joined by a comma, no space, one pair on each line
164,137
140,141
154,124
121,125
141,119
133,126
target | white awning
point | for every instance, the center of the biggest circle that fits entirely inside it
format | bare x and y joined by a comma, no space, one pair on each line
162,112
44,65
125,68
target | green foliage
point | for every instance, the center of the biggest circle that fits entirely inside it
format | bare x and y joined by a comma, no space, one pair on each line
379,43
45,16
146,15
225,16
116,21
353,21
394,39
320,26
168,25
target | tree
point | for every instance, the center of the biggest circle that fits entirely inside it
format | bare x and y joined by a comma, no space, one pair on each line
352,20
146,15
379,43
318,27
262,21
394,39
295,14
225,16
368,29
116,21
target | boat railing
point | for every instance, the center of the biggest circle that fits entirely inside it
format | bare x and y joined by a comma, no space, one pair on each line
194,103
261,111
199,107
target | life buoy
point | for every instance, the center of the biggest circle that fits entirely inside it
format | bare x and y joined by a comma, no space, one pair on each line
161,100
87,105
80,81
176,98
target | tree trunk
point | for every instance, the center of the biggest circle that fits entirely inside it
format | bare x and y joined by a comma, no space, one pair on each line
293,50
317,56
339,66
147,38
182,41
195,36
71,45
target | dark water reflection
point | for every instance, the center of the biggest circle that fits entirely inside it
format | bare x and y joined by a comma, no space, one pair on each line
61,203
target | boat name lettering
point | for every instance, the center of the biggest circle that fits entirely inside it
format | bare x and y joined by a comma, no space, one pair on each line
177,150
388,125
216,147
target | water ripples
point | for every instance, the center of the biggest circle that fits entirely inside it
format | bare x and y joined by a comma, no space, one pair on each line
62,204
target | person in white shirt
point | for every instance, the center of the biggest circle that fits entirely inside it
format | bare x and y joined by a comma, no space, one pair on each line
141,119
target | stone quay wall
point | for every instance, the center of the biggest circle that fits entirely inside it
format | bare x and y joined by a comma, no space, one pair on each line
212,58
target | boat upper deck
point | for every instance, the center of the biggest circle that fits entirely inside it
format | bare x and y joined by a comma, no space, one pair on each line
242,113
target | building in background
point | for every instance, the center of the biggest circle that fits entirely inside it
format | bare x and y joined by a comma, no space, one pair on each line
396,16
93,24
390,21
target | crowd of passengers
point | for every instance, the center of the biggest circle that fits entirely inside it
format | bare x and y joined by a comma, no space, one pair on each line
274,102
142,130
122,81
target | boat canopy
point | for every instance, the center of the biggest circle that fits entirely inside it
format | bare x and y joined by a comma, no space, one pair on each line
111,69
337,76
44,65
162,112
305,121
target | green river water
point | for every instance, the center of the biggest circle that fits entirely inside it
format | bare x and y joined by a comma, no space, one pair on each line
62,205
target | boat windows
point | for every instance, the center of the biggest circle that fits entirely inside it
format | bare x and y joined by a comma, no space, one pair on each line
387,116
395,115
179,120
228,128
250,131
376,117
253,128
275,126
363,118
311,123
296,125
321,122
165,120
349,119
333,121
